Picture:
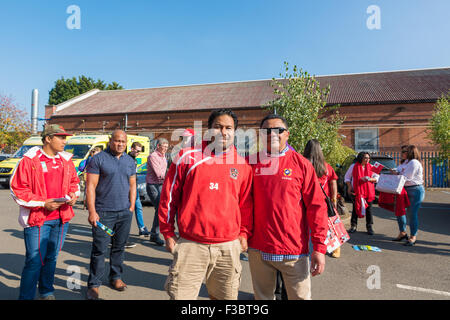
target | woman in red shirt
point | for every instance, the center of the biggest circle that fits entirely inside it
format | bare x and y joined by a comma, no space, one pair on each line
325,173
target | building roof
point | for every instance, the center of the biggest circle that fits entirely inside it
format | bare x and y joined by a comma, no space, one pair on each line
409,86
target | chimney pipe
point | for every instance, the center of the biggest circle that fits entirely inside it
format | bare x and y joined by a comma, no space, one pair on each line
34,111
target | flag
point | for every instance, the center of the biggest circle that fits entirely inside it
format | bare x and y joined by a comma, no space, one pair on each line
377,167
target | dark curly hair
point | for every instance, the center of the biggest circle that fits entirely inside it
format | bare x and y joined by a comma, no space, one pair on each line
220,112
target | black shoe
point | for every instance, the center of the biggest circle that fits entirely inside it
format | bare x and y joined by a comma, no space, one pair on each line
370,231
352,229
157,240
144,232
401,238
129,245
409,243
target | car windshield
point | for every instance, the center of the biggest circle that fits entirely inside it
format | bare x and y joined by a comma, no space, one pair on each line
79,151
23,149
386,162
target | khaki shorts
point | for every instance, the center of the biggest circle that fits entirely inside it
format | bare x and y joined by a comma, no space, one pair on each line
218,264
295,275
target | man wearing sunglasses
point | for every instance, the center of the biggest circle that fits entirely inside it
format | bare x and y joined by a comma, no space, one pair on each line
288,204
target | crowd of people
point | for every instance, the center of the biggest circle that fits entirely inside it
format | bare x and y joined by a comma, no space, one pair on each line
211,204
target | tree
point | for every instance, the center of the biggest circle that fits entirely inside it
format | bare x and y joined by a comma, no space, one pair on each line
301,100
14,125
439,131
66,89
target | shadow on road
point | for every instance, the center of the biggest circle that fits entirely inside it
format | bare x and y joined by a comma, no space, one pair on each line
78,244
433,218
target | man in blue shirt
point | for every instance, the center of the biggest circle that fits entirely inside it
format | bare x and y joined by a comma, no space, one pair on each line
111,197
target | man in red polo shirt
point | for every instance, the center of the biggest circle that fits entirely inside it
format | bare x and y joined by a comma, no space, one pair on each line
288,202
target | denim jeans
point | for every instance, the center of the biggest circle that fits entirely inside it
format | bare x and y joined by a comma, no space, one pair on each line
416,194
120,223
138,212
42,246
154,192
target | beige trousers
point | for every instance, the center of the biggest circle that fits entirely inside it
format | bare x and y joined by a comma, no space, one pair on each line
218,264
295,274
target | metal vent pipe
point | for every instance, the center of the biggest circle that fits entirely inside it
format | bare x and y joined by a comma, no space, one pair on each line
34,111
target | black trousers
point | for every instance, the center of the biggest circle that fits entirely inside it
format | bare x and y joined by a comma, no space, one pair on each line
369,218
120,223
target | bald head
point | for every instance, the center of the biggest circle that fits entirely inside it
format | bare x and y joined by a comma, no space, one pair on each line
118,132
118,142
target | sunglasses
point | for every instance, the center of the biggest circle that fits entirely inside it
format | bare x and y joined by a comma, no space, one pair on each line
278,130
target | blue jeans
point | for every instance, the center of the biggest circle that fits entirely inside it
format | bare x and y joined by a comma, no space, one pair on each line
42,245
138,212
154,193
416,194
120,223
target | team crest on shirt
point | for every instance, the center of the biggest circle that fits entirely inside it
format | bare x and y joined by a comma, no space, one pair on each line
234,173
287,173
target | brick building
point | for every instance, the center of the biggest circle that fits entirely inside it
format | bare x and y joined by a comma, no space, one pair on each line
383,110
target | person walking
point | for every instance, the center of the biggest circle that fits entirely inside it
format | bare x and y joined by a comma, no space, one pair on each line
82,167
360,184
288,203
111,197
45,186
325,173
209,188
156,173
412,169
136,149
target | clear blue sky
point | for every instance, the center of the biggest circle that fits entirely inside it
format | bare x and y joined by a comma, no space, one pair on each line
142,44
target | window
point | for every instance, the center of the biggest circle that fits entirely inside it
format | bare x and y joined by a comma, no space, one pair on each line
79,151
366,140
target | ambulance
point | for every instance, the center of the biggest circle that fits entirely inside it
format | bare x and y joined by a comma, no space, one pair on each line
80,145
7,166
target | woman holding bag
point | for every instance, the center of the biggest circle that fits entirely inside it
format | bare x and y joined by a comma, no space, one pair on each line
360,184
325,173
412,169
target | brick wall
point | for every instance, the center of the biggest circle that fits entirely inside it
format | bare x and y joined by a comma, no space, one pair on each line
398,124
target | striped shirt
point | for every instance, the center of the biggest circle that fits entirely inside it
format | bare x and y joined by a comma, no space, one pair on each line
280,257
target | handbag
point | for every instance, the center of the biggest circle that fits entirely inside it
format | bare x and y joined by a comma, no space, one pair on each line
390,183
330,207
336,234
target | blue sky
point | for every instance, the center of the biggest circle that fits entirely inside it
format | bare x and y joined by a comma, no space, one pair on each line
142,44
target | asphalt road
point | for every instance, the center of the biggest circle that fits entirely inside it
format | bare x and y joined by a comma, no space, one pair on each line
398,272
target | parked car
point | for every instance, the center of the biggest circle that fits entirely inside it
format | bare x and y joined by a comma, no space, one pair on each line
4,181
387,161
140,180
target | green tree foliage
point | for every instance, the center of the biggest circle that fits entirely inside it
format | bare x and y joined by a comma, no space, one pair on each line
439,131
14,125
66,89
301,100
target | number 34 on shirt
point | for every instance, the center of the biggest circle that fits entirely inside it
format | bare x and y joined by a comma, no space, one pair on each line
214,185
